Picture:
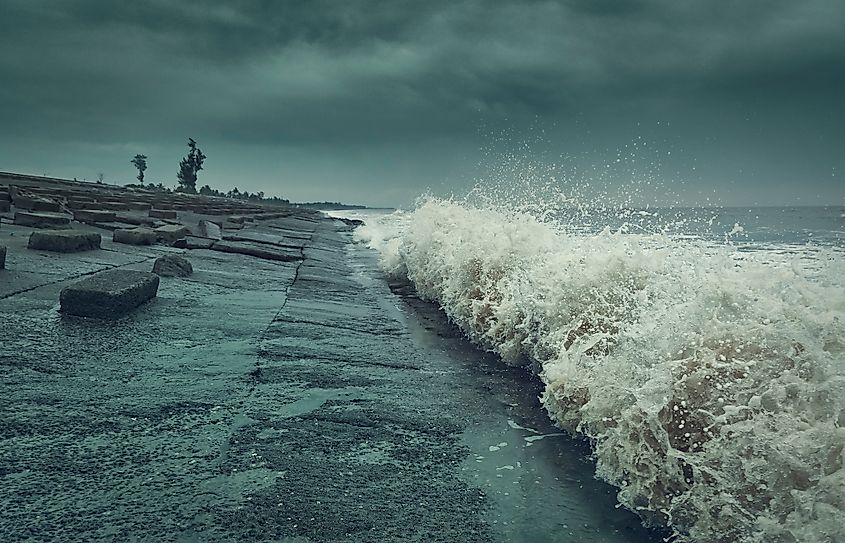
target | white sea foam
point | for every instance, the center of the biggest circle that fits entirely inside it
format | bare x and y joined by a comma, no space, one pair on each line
711,382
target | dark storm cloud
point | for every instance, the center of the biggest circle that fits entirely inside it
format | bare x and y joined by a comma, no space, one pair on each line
328,73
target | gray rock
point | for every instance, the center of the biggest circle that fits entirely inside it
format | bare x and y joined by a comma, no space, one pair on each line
134,236
211,230
171,232
162,214
172,266
64,241
4,206
35,203
265,252
193,242
94,215
41,220
109,294
2,258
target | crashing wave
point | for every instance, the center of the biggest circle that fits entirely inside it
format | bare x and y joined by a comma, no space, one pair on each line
710,382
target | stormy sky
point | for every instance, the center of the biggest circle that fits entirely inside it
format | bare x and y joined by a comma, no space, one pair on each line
731,102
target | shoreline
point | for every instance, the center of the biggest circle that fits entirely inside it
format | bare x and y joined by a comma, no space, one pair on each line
262,399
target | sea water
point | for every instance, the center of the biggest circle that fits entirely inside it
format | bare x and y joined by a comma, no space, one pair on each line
700,350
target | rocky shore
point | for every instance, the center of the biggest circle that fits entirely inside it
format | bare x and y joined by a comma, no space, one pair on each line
273,388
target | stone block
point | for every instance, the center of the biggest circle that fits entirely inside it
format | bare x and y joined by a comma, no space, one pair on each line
162,214
193,242
64,241
35,203
171,232
265,252
172,266
41,220
94,215
74,204
112,206
209,229
5,206
139,221
134,236
109,294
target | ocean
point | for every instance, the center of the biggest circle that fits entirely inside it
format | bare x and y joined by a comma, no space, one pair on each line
701,351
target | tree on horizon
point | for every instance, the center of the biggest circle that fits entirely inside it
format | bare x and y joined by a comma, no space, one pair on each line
140,162
189,167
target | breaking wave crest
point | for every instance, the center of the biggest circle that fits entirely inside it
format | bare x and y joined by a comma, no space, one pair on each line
711,382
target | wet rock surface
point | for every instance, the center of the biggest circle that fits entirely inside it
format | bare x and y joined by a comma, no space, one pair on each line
172,266
320,406
64,241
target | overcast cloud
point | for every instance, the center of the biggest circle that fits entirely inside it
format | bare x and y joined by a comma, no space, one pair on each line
376,102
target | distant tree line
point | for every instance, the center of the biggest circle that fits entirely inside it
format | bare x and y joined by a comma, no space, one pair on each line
189,168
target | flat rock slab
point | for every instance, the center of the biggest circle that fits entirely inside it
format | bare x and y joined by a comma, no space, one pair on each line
41,220
109,294
64,241
171,232
140,221
114,225
266,239
260,251
94,215
193,242
37,204
134,236
172,266
162,214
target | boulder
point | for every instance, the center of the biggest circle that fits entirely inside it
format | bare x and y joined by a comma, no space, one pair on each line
134,236
64,241
171,232
41,220
2,257
211,230
109,294
94,215
172,266
162,214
